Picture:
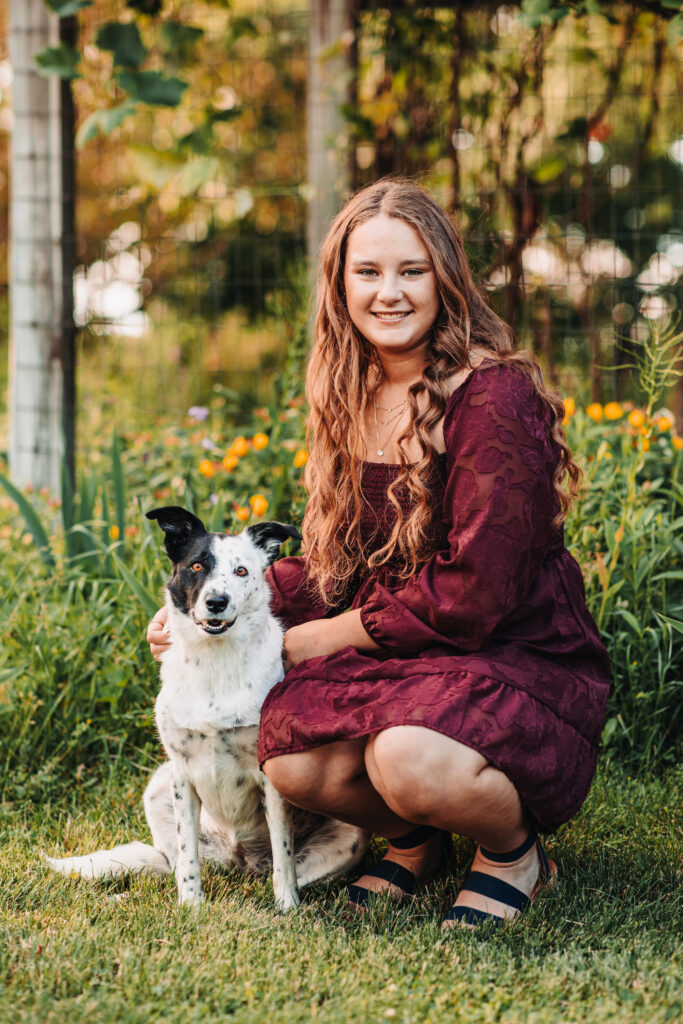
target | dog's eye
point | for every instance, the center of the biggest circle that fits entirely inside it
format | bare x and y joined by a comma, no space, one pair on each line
241,571
196,567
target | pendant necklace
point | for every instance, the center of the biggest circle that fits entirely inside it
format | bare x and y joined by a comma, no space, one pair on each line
393,419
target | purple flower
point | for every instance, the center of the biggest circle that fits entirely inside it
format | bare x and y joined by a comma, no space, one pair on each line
208,444
198,412
213,499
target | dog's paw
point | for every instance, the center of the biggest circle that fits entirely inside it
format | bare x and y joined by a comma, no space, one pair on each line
190,897
287,900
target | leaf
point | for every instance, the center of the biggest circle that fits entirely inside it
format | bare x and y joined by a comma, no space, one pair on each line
119,485
65,8
103,122
154,167
123,40
58,60
632,621
178,38
32,520
152,87
676,623
674,574
674,31
549,171
149,601
196,173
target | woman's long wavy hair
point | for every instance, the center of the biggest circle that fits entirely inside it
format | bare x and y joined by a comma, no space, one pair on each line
344,374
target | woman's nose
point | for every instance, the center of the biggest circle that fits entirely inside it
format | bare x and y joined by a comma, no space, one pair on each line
390,288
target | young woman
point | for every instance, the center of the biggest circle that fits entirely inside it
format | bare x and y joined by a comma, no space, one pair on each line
443,672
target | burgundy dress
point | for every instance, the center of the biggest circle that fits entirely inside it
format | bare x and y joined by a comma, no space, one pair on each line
490,642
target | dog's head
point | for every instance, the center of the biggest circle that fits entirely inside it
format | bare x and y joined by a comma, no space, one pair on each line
217,576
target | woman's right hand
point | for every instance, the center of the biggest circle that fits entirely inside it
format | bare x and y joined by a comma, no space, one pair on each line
157,634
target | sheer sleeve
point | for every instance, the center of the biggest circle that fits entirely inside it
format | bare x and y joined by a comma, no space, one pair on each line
499,504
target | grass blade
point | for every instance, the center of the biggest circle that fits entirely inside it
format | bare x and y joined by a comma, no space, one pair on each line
32,520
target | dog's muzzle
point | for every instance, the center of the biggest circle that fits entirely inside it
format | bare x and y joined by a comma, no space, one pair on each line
214,626
214,623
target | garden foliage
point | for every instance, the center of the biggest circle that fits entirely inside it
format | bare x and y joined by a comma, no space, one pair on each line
83,573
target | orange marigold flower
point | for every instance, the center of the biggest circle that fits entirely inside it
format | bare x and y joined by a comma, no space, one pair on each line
242,513
613,411
114,532
229,463
132,531
677,442
636,418
646,444
260,441
594,410
259,505
301,458
206,468
664,423
239,447
569,409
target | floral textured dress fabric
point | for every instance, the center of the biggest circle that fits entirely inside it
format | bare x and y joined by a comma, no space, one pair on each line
491,642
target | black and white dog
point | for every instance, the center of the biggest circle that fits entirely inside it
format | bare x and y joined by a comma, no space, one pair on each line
210,801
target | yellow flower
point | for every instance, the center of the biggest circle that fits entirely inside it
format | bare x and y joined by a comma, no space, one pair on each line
301,458
646,444
259,505
242,513
239,447
677,442
594,411
229,463
114,532
613,411
664,423
636,418
260,441
569,409
206,468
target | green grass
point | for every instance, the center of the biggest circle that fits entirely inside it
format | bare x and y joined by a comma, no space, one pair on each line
603,946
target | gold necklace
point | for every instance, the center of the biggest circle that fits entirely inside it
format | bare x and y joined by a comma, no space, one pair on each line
396,420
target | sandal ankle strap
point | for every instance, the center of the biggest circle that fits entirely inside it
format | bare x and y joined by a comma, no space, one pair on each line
511,855
417,837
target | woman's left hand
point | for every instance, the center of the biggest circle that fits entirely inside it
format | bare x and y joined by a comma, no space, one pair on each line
325,636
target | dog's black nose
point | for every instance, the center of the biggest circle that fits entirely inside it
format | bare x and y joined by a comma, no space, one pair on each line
216,603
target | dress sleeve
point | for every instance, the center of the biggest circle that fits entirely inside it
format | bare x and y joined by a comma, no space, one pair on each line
292,598
499,503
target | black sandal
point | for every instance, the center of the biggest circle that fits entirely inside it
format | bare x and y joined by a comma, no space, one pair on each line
496,889
395,874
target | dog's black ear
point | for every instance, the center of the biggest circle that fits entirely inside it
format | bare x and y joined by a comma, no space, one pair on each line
179,526
270,536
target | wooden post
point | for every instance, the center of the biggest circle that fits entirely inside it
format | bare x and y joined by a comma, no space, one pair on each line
328,79
35,273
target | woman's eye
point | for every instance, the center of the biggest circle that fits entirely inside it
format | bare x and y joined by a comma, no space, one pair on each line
196,567
414,272
367,272
241,571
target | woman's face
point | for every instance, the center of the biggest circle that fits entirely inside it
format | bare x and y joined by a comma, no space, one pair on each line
391,292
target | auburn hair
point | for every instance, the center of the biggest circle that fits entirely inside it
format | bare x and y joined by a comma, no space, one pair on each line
344,373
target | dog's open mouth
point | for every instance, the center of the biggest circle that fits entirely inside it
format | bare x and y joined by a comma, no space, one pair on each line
214,626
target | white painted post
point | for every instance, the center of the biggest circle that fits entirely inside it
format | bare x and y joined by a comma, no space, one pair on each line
328,79
35,272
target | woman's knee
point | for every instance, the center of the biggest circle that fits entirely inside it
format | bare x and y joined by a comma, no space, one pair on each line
317,778
417,771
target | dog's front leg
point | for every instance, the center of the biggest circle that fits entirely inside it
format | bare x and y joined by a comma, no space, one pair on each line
279,818
186,806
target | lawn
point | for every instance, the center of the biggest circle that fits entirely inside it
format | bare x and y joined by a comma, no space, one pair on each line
603,946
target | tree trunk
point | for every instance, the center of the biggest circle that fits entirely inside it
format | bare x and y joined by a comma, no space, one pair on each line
36,276
328,78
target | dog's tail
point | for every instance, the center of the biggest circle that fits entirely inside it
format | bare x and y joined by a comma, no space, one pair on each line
129,858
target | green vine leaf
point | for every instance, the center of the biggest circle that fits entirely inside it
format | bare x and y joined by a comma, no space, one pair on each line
103,122
152,87
123,40
146,6
65,8
58,60
179,39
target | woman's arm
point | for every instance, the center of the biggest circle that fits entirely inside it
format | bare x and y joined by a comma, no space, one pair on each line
326,636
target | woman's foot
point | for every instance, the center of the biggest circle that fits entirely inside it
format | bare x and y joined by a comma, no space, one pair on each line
501,885
410,862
